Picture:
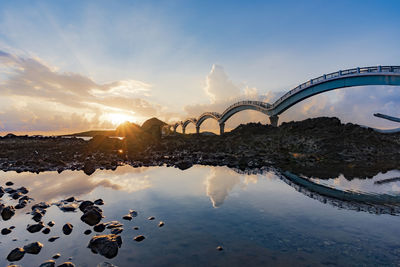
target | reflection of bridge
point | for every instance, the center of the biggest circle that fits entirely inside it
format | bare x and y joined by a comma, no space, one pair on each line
378,75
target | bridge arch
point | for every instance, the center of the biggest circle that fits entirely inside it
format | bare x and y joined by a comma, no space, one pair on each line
187,122
205,116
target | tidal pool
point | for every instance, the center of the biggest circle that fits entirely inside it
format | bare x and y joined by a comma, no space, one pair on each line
258,219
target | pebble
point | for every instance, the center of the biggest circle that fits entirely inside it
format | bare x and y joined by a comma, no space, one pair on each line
127,217
220,248
51,223
56,256
139,238
151,218
70,199
67,228
160,224
16,254
87,232
7,213
99,202
92,215
46,230
85,204
135,228
99,227
5,231
33,228
66,264
53,238
116,231
33,248
9,183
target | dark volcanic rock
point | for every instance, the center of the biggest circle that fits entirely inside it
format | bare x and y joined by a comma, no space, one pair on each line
7,213
139,238
16,254
70,199
89,167
5,231
127,217
46,230
117,231
56,256
87,232
160,224
33,248
33,228
49,263
53,238
184,164
99,227
85,204
106,245
67,228
9,183
51,223
66,264
99,202
92,215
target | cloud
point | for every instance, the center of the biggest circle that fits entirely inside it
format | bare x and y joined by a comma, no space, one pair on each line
41,98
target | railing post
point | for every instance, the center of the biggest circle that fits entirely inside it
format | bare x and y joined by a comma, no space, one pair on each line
221,128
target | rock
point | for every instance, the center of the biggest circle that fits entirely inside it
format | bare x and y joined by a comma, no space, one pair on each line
33,228
184,164
69,207
219,248
49,263
33,248
70,199
87,232
151,218
16,254
106,264
9,183
160,224
46,230
99,202
53,238
127,217
56,256
40,206
16,195
23,190
66,264
133,213
89,168
92,215
12,227
114,224
67,228
106,245
135,228
51,223
99,227
117,231
7,213
5,231
37,215
139,238
85,204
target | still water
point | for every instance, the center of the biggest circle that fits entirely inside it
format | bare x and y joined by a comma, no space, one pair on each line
258,219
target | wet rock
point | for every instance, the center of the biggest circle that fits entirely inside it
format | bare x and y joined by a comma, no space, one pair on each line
66,264
85,204
16,254
53,238
46,230
40,206
114,224
92,215
5,231
219,248
99,202
69,207
51,223
106,245
133,213
12,227
89,168
184,164
21,205
87,232
67,228
23,190
33,228
117,231
16,195
33,248
7,213
49,263
151,218
38,215
70,199
160,224
135,228
9,183
127,217
56,256
139,238
14,265
106,264
99,227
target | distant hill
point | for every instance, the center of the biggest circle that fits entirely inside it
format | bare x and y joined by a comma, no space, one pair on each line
124,129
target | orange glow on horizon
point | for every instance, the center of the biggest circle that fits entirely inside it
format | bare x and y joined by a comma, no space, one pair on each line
118,118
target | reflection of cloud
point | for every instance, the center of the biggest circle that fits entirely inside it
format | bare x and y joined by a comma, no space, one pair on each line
221,181
49,186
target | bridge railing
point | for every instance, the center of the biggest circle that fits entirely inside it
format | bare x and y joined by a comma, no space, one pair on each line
248,102
333,75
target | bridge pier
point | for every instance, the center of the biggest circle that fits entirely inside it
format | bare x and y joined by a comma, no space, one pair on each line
221,128
183,129
197,129
274,120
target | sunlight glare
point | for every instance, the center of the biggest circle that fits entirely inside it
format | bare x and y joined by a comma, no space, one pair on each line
118,118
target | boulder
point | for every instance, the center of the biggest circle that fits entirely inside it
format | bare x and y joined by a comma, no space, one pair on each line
67,228
16,254
7,213
33,228
49,263
92,215
33,248
106,245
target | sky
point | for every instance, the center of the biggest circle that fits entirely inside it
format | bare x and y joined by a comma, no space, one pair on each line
70,66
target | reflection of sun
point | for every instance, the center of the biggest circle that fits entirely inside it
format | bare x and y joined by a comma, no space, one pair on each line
118,118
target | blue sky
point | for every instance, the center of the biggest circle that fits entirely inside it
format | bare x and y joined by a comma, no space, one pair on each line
159,56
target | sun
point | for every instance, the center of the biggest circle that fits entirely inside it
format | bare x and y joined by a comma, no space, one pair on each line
118,118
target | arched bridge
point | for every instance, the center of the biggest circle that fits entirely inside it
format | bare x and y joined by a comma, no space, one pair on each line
377,75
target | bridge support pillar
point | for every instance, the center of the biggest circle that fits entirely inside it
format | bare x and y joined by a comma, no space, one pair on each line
221,128
183,130
197,129
174,129
274,120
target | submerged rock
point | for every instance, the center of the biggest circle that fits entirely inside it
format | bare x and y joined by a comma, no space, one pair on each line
66,264
106,245
127,217
99,202
219,248
56,256
7,213
67,228
99,227
16,254
53,238
117,231
85,204
33,248
87,232
46,230
151,218
160,224
106,264
5,231
139,238
51,223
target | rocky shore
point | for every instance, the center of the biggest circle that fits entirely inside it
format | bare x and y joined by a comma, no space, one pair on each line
320,147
